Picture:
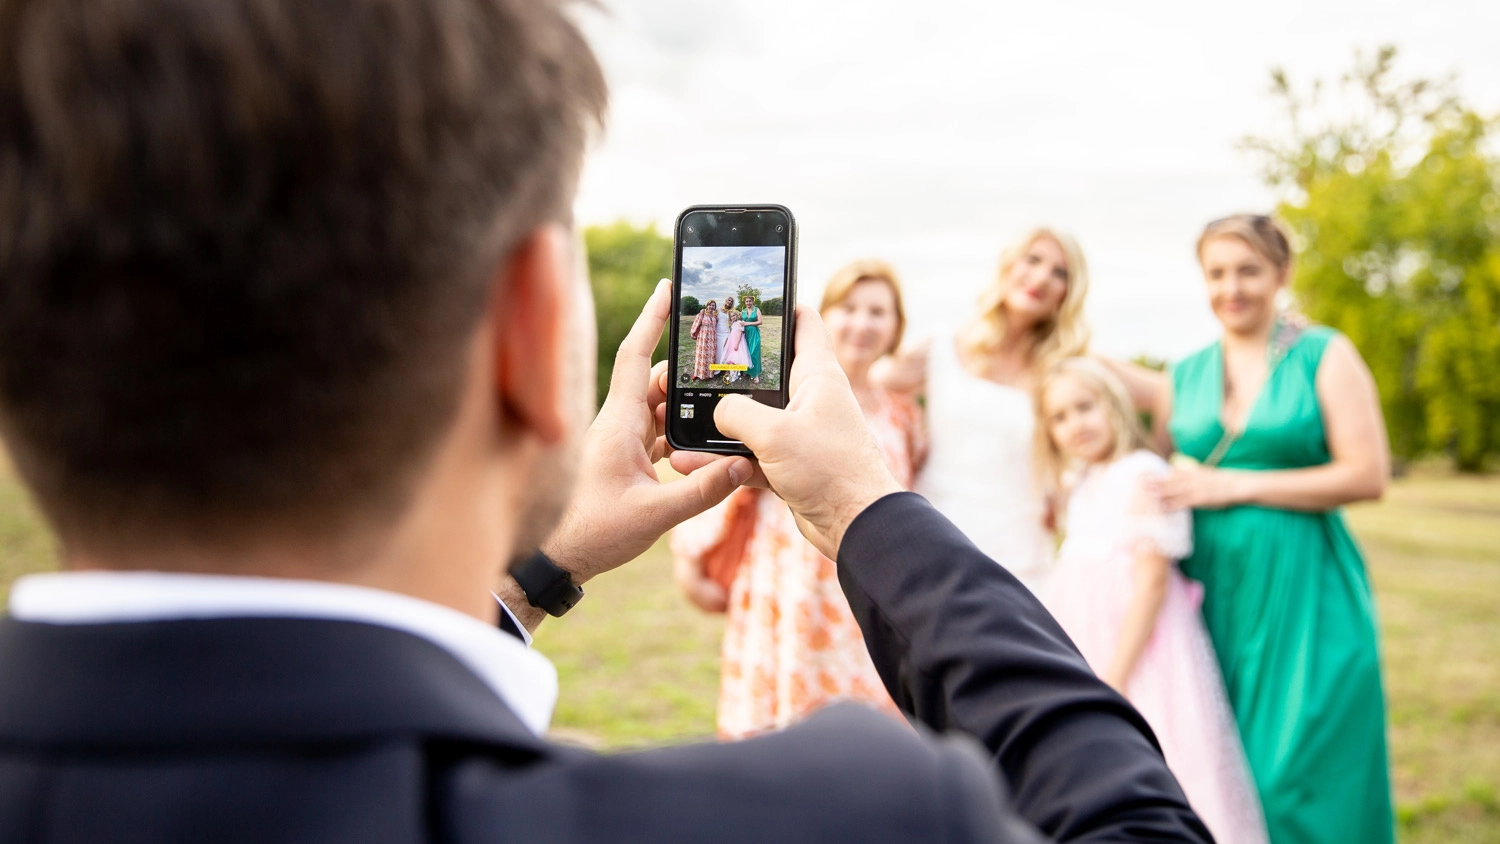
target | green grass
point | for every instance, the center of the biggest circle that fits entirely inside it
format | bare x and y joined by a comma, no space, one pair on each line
638,666
1434,551
770,355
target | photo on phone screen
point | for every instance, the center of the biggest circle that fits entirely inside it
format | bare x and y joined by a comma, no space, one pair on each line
733,296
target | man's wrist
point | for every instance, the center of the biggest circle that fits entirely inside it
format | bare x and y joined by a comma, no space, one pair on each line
850,512
568,556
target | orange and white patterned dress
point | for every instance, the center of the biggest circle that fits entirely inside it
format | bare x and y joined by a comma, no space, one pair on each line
791,645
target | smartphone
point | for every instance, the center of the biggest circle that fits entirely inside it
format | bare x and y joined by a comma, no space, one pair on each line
734,290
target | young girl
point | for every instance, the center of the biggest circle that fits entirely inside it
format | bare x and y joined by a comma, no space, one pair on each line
735,350
1117,592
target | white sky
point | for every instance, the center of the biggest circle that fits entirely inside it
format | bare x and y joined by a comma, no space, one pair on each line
931,134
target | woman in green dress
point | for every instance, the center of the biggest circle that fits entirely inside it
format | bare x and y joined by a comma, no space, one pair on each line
1285,425
750,319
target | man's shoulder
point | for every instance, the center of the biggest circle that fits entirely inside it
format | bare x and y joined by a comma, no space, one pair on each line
848,773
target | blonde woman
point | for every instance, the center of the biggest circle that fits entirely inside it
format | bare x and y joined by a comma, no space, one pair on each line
722,326
791,644
977,380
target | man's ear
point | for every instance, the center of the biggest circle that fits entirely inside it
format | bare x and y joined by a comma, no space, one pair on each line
533,329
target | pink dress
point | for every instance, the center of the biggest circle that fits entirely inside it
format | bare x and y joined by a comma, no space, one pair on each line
791,645
736,350
1176,684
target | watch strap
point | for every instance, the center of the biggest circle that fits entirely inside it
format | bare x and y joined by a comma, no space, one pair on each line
546,586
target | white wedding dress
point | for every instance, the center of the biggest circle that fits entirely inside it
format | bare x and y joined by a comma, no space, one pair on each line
723,339
979,467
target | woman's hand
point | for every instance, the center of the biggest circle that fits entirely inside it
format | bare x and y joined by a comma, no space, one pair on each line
1197,488
705,593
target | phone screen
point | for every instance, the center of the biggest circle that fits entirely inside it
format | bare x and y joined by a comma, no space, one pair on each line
733,293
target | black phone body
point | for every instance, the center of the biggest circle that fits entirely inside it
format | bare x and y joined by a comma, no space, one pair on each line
722,253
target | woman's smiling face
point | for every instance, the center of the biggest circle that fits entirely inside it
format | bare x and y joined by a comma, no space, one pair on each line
1242,284
1038,282
863,324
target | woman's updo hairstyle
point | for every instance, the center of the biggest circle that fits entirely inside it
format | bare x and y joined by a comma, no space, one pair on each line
1267,236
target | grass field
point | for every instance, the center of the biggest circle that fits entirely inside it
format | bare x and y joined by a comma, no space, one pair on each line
770,355
639,667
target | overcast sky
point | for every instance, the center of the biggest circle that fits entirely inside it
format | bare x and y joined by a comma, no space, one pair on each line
929,134
716,272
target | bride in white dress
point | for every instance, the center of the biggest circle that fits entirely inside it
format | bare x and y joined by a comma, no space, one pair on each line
723,351
978,380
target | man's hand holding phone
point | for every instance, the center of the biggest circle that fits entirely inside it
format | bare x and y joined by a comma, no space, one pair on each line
620,507
818,453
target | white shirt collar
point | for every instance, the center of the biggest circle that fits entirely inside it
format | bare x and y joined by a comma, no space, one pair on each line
524,679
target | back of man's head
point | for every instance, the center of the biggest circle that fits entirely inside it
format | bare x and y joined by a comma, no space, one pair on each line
243,244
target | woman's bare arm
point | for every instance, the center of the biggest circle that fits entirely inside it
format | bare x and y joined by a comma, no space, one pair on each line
1360,463
1151,392
904,371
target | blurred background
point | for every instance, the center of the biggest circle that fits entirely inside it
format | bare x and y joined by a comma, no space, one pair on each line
932,134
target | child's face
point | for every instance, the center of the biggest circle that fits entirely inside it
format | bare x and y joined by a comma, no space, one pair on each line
1078,420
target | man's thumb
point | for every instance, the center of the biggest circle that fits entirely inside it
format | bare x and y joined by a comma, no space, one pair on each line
745,419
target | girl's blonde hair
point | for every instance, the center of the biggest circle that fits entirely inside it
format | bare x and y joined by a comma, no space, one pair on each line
842,284
1051,463
1064,335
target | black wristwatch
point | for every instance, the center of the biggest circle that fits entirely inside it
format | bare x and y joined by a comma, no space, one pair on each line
547,587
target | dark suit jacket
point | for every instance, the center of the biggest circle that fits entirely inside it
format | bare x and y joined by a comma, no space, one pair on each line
296,730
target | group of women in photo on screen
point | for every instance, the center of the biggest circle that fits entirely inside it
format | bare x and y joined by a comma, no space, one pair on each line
1205,570
727,342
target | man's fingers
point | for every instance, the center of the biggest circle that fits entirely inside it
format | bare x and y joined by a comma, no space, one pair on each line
688,462
811,346
656,393
633,360
686,497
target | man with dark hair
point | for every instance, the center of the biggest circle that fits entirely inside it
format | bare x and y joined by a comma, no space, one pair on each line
295,355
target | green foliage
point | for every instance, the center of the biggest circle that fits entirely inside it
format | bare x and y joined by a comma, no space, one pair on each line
773,307
691,306
625,263
747,290
1396,210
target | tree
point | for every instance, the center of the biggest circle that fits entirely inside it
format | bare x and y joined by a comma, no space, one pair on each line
691,306
748,290
773,307
625,263
1390,188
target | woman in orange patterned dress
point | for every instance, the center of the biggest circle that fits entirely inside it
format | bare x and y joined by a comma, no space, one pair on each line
705,334
791,644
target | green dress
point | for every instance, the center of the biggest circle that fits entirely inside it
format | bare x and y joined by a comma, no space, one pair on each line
752,341
1289,608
